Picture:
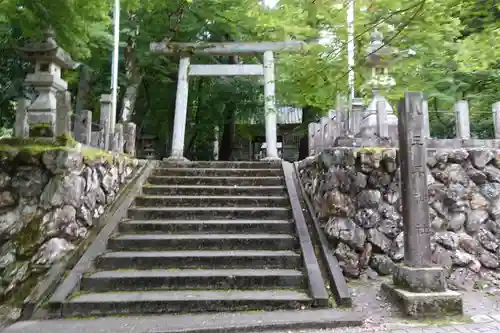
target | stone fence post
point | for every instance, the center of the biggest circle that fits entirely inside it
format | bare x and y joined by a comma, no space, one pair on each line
325,142
341,111
21,129
496,119
83,127
63,113
129,138
461,109
332,126
105,120
382,125
357,115
418,286
117,139
317,138
425,115
310,135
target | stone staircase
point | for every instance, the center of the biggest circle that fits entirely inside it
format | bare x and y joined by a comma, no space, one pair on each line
212,236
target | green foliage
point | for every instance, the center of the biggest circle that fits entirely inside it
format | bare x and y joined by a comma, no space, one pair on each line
454,41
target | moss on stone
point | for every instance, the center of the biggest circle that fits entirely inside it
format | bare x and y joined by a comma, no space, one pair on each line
28,238
36,146
370,150
41,130
23,290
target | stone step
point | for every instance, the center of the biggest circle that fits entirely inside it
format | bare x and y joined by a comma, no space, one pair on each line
216,181
223,164
210,201
221,172
96,304
204,279
213,190
221,226
208,213
139,242
198,259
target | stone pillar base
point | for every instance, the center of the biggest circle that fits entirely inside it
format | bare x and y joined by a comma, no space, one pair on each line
271,159
421,292
425,305
175,160
419,279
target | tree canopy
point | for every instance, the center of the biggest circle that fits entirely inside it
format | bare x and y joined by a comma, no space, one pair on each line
454,44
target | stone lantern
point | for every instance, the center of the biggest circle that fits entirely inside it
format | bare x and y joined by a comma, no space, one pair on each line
379,58
49,59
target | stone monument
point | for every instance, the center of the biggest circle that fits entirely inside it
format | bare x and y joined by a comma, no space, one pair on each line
418,287
48,59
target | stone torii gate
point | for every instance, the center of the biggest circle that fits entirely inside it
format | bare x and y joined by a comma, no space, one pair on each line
224,49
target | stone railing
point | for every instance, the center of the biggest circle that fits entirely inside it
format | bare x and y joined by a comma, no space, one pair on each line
49,202
322,134
121,138
356,194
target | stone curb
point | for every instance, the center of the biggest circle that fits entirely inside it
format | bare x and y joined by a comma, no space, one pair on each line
336,279
198,323
315,279
106,224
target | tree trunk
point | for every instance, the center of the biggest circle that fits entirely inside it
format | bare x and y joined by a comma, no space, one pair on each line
129,98
132,72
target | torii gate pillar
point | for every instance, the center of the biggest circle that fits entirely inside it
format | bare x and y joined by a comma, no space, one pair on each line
181,104
270,106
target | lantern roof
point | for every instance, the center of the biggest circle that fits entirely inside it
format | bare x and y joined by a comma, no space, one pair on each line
377,53
48,50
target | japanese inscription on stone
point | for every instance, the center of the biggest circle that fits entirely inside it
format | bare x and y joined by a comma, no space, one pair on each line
413,155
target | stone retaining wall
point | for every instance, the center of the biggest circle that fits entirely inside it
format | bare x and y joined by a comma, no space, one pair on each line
356,194
49,201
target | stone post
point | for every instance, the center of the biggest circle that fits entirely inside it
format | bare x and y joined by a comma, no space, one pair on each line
418,287
95,138
357,115
317,138
382,126
117,139
105,121
270,106
341,110
181,104
310,133
332,126
462,120
63,113
325,138
21,127
129,138
216,143
85,127
496,119
425,115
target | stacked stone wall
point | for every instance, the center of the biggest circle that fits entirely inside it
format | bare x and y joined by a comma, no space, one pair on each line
356,195
49,202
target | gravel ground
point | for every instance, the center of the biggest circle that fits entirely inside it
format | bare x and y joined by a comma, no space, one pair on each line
383,317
